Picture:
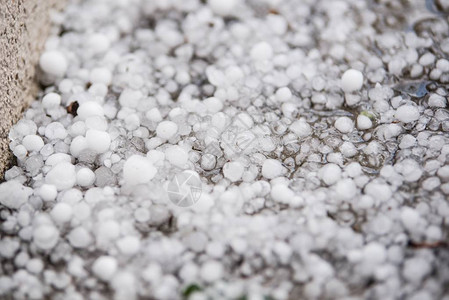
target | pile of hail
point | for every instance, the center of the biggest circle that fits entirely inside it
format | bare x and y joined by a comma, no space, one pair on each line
317,132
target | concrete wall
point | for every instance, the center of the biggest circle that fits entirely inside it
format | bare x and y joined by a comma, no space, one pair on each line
24,27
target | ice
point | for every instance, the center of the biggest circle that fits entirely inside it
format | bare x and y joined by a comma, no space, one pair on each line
301,128
34,164
317,130
53,62
352,80
80,237
344,125
233,171
105,267
89,109
62,176
330,173
13,194
98,141
364,122
177,156
222,7
211,271
51,100
103,177
272,168
129,245
61,213
415,269
48,192
410,218
407,113
33,142
100,75
138,169
261,51
55,130
166,129
283,94
45,236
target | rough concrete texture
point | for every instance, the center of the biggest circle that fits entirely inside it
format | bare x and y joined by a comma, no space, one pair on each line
24,26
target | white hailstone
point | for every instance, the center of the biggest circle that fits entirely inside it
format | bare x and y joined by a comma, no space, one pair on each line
61,212
415,269
344,125
374,253
261,51
97,140
95,122
79,237
78,145
97,43
20,151
13,194
48,192
105,267
154,115
330,173
436,100
89,109
407,113
51,100
283,251
363,122
283,94
85,177
55,130
132,122
45,236
233,171
129,245
301,128
62,176
213,104
177,156
211,271
166,129
100,75
108,230
188,271
57,158
138,169
208,162
272,168
346,189
282,194
379,191
409,169
35,265
130,98
53,62
348,149
142,215
33,142
443,173
410,218
77,128
352,80
427,59
443,65
222,8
